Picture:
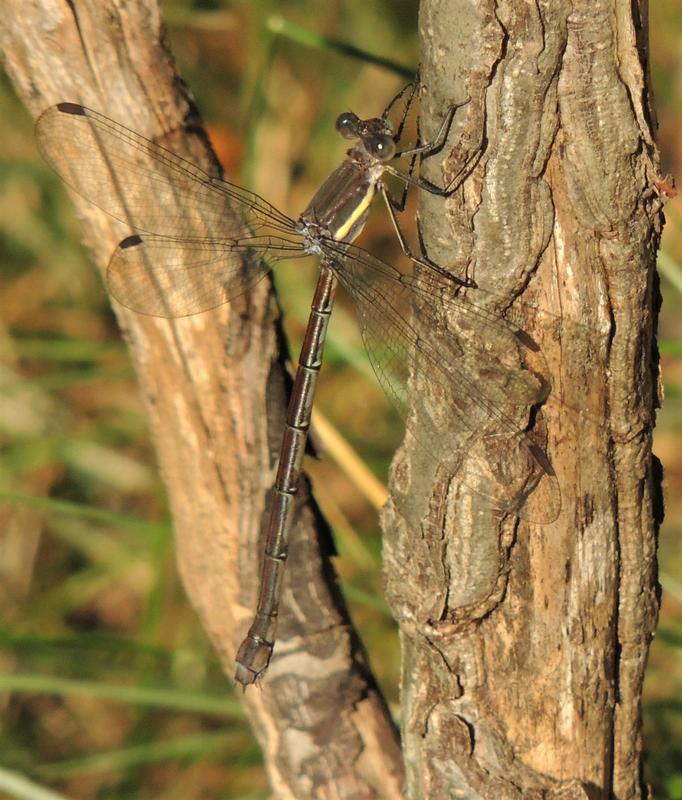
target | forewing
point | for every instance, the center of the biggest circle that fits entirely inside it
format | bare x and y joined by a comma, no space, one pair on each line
199,240
118,170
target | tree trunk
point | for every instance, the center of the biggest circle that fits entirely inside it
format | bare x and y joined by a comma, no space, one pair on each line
215,386
524,645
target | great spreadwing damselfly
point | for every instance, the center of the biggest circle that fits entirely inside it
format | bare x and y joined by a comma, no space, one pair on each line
421,330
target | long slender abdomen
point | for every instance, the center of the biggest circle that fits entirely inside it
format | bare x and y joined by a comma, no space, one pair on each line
255,651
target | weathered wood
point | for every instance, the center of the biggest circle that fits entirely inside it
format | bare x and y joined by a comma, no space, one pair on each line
214,385
524,645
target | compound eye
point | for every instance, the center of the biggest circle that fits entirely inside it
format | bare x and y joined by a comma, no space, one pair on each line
380,146
347,125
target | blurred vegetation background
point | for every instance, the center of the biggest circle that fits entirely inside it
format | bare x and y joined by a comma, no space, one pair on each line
108,687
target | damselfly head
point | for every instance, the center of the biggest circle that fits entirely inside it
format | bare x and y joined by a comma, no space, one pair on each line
376,134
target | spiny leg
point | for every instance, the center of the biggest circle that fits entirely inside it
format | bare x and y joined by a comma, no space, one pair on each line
435,145
397,206
433,188
423,260
414,152
467,282
413,88
424,150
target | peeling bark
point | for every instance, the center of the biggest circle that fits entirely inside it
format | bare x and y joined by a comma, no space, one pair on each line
524,645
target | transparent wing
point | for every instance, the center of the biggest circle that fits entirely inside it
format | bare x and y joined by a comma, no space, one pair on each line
114,168
201,238
168,277
464,368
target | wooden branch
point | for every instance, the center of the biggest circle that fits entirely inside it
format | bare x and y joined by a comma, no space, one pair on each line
524,645
214,386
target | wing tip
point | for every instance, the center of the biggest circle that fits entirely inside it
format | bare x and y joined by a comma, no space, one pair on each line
527,340
541,459
130,241
75,109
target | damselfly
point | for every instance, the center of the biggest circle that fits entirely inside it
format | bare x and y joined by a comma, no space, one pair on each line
418,327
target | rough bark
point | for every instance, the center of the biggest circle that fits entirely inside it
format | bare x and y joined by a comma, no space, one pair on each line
524,645
215,387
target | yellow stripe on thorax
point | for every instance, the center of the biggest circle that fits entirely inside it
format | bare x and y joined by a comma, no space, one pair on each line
359,210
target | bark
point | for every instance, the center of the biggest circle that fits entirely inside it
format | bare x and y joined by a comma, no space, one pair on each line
524,645
215,386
